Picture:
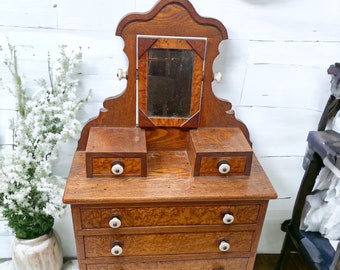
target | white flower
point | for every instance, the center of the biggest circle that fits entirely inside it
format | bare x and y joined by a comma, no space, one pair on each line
46,118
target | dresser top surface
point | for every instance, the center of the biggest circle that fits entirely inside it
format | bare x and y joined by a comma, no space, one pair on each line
174,184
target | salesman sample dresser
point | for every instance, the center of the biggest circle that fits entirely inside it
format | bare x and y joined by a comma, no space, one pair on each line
165,176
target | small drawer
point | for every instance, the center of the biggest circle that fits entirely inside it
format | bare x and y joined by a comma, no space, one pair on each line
219,152
122,245
116,151
214,165
95,218
199,264
116,166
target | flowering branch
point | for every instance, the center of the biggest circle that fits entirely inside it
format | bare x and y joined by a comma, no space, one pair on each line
30,194
19,91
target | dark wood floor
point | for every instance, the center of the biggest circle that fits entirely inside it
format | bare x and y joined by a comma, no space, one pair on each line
268,262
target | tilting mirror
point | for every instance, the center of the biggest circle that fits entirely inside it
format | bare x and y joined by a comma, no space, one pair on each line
170,73
169,82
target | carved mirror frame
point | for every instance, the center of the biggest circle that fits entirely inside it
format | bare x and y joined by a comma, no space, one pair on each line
170,75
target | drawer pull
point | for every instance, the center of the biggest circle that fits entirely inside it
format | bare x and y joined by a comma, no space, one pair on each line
223,167
117,168
224,246
115,223
116,250
228,219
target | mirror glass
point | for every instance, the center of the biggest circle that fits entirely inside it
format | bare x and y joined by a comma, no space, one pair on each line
169,82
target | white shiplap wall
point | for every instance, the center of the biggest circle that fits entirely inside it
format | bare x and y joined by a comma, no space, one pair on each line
274,72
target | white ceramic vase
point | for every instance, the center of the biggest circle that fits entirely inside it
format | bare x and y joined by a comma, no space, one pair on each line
41,253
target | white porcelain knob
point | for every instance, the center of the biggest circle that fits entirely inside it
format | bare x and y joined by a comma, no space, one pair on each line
224,246
223,167
121,74
218,77
117,168
228,219
115,223
116,250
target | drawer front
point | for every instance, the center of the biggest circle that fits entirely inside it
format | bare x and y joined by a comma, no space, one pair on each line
93,218
209,165
215,264
167,243
102,166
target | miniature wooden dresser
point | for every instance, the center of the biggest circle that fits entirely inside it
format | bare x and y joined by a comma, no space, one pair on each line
164,178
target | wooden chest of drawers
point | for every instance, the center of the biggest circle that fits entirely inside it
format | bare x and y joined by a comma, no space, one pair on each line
175,221
165,177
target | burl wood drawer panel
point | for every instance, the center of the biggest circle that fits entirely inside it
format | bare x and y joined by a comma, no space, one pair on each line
92,218
167,243
216,264
102,166
209,165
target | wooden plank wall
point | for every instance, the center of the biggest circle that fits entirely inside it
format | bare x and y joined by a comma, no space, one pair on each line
273,65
